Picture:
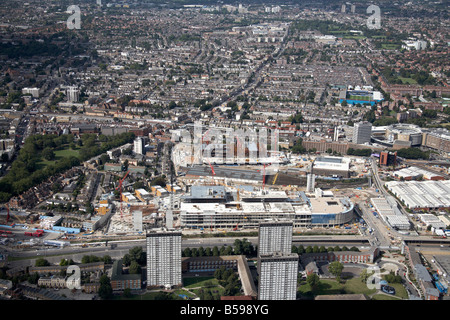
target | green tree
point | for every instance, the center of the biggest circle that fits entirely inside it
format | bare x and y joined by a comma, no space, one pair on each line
134,268
138,255
312,280
364,275
187,252
107,259
41,262
219,273
33,278
48,154
335,269
127,293
105,289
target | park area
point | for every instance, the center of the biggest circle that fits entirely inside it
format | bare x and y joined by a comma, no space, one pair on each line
351,285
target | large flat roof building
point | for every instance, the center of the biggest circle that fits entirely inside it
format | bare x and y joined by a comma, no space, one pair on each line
422,194
224,210
327,166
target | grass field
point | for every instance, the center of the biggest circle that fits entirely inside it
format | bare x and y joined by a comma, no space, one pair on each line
408,80
194,282
351,286
59,154
361,98
390,46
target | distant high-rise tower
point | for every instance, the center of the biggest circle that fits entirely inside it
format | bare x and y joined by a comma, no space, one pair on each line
362,131
343,8
310,182
164,259
336,134
137,221
138,145
277,276
275,236
169,217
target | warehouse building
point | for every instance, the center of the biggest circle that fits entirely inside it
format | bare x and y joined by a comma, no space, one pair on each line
332,166
389,212
432,220
422,194
415,173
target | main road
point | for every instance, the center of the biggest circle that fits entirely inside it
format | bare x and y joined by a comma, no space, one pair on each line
122,247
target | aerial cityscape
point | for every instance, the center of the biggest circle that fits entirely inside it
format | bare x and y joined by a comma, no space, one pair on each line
224,151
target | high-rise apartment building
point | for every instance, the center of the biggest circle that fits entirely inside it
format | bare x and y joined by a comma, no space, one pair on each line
362,131
164,259
275,236
277,276
138,147
137,221
310,182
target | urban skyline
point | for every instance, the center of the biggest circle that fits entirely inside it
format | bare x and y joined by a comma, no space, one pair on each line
224,151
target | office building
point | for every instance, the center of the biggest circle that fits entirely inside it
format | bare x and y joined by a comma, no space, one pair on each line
277,276
388,158
362,132
164,259
275,236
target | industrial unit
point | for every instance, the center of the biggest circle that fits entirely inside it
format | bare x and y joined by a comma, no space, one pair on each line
389,212
422,194
332,166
